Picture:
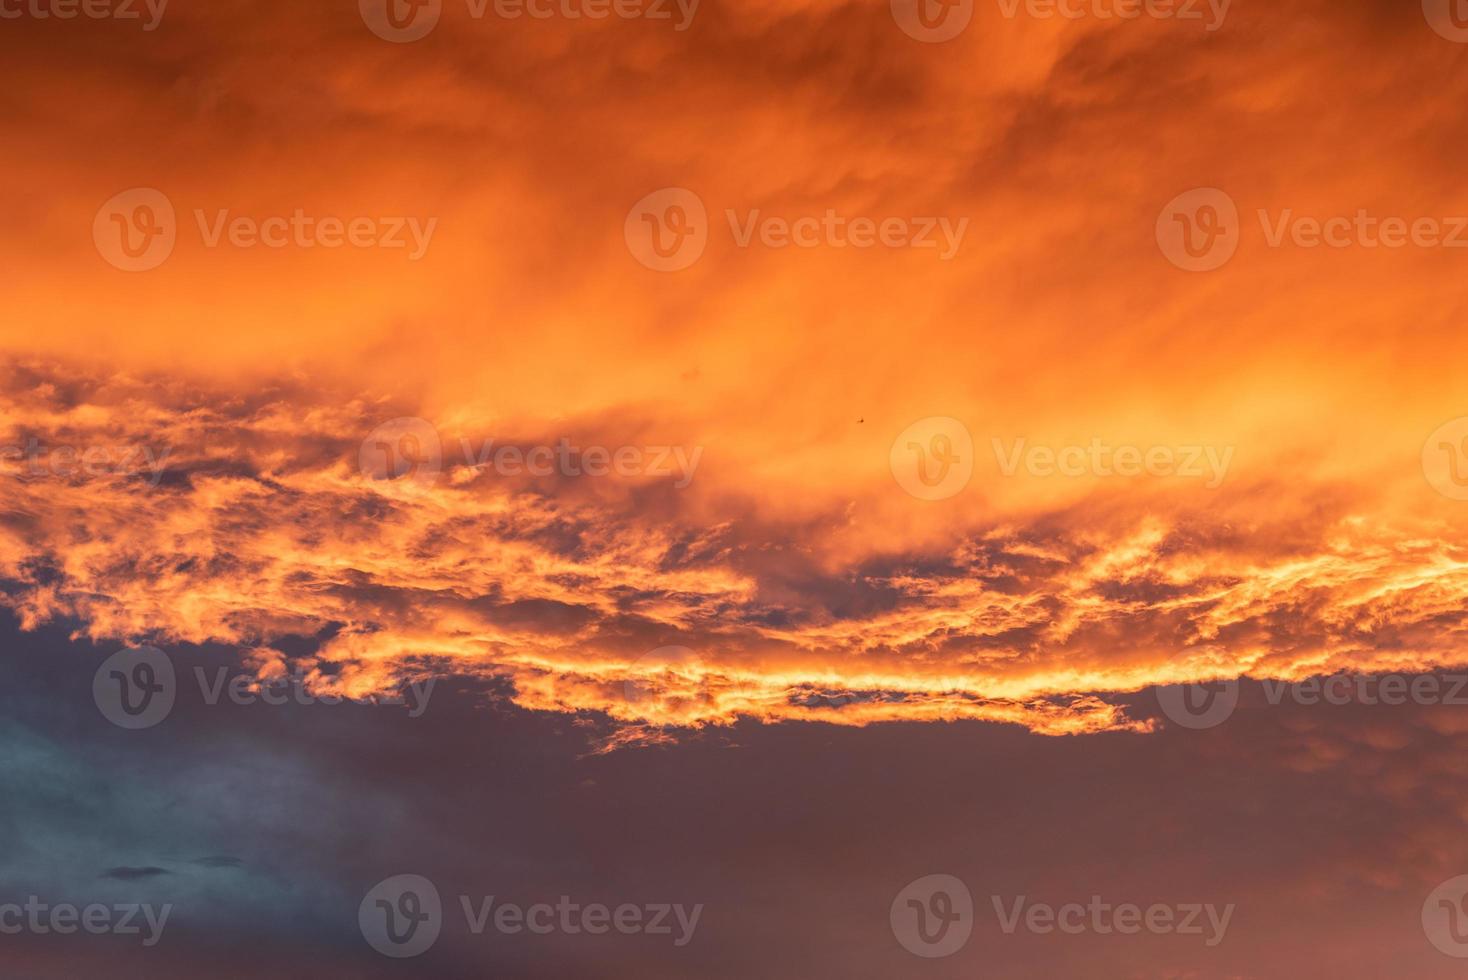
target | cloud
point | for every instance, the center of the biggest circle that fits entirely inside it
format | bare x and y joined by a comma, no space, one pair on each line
807,584
219,861
134,874
264,529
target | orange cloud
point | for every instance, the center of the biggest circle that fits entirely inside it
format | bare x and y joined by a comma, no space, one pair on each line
804,578
244,519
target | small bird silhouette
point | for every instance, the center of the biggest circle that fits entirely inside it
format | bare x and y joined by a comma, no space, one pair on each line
860,421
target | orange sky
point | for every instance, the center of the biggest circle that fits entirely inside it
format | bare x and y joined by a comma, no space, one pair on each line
801,576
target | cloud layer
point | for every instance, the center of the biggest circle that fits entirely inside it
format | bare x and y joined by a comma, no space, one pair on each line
164,512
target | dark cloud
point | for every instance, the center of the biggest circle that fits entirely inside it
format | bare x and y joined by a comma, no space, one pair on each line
1329,822
134,874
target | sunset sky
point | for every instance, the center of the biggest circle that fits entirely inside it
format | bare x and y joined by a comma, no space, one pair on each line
800,452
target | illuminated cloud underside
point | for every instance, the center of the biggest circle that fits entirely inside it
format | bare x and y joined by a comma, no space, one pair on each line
262,527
